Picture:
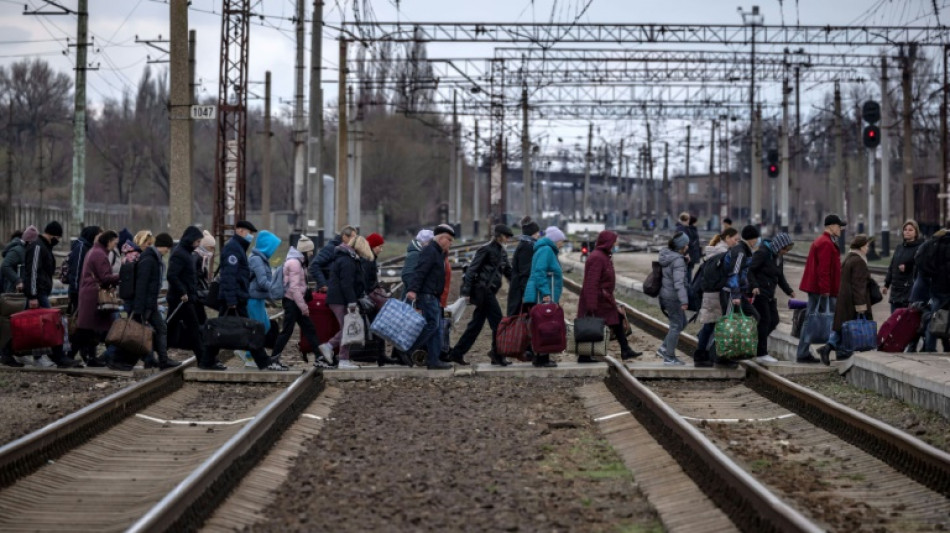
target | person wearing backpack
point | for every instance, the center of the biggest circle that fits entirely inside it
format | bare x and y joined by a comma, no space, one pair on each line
296,312
14,255
711,310
674,299
821,280
765,273
259,288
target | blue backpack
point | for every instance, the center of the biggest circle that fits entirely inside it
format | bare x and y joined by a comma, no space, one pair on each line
276,289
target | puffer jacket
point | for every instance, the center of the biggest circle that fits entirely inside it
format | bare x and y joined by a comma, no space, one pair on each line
899,283
320,266
13,257
77,256
412,259
346,277
235,274
295,279
674,276
822,273
259,263
597,293
182,279
485,272
711,310
543,264
429,276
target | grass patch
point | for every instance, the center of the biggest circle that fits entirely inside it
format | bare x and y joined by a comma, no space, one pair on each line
760,464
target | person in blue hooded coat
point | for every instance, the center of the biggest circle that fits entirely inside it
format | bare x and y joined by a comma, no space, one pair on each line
261,276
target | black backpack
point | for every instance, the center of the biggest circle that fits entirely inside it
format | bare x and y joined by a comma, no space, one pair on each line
654,281
713,273
127,280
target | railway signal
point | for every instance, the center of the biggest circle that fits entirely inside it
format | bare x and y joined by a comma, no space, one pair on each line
773,163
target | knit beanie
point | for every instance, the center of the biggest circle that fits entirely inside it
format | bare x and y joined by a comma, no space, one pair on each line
30,234
424,235
208,240
164,240
54,229
554,233
304,244
782,240
681,241
528,226
374,240
750,232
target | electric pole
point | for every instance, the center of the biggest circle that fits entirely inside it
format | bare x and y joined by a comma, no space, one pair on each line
179,155
689,139
265,183
300,147
785,156
475,187
341,145
315,208
710,187
585,207
885,163
907,75
526,153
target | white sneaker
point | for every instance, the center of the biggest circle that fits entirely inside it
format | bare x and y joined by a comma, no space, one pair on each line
248,360
766,359
326,351
346,364
43,361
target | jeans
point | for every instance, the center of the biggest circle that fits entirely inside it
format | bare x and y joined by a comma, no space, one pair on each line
431,335
704,341
486,308
813,301
767,308
834,341
293,316
674,310
937,302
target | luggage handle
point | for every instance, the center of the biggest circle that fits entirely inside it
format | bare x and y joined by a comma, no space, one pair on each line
540,298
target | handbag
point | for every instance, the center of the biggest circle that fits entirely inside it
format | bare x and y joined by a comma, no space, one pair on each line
736,336
859,335
109,300
817,326
398,323
512,338
354,329
592,349
874,292
589,329
131,337
627,328
940,324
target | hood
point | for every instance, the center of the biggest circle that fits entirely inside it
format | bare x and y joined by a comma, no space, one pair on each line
415,245
667,256
606,240
125,236
912,244
267,243
293,253
189,236
710,251
12,244
89,233
544,241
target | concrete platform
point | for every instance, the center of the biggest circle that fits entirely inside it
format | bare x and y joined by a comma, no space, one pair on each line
100,372
919,379
240,375
787,368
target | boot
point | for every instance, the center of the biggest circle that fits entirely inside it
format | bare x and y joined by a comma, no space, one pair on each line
89,357
459,359
629,353
497,360
545,361
401,357
150,361
824,352
167,362
9,360
383,360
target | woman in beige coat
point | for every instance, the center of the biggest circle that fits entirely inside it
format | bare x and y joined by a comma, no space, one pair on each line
711,310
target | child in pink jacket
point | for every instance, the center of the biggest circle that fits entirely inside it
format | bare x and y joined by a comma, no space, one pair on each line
296,311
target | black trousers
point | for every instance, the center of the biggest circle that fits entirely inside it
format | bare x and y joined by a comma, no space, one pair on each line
292,317
185,329
486,308
767,308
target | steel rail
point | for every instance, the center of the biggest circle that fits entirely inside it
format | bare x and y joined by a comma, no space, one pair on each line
747,502
189,503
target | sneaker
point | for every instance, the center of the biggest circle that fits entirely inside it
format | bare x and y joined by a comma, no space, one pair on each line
320,363
43,361
346,364
766,359
276,366
326,352
672,361
249,360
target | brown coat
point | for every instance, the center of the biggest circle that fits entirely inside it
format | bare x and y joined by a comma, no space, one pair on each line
853,295
96,273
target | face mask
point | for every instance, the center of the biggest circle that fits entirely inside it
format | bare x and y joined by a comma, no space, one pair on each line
54,241
758,242
249,237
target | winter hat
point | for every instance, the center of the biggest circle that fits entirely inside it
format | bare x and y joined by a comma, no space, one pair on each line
912,222
54,228
424,235
860,240
30,234
501,229
444,228
375,239
680,241
782,240
164,240
304,245
750,232
528,226
555,234
208,240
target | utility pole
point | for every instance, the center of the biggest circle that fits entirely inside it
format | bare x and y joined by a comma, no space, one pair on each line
798,145
689,141
752,19
265,183
756,201
885,163
944,187
300,147
179,155
666,167
585,204
355,185
341,145
641,172
618,198
459,171
784,220
907,78
710,188
526,153
11,220
193,91
315,209
79,120
834,185
453,155
649,162
475,187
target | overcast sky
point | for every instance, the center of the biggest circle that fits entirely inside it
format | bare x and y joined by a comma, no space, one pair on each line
115,25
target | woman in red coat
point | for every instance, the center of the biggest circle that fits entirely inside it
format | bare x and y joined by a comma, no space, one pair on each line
597,294
91,323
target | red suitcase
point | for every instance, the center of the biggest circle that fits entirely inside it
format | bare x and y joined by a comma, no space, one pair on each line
548,331
899,330
36,328
323,319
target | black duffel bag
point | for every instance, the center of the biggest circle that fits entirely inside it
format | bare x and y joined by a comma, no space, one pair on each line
233,333
589,329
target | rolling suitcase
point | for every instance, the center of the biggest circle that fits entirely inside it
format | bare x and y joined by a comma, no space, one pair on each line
899,330
547,327
37,328
323,319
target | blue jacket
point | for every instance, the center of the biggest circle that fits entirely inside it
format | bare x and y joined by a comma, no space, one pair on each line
320,266
259,263
77,256
412,259
544,262
737,261
235,272
429,275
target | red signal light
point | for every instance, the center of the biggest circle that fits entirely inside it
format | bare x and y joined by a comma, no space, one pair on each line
584,250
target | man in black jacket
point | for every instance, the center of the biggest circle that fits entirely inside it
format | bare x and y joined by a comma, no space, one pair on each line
521,264
425,288
38,280
185,326
480,284
148,283
765,273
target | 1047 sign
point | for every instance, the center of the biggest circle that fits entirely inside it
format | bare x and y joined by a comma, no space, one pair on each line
204,112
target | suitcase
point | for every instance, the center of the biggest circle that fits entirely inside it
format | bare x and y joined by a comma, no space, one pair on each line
12,303
323,319
548,330
233,333
37,328
899,330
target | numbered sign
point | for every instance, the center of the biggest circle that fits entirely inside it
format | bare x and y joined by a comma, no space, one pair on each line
204,112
